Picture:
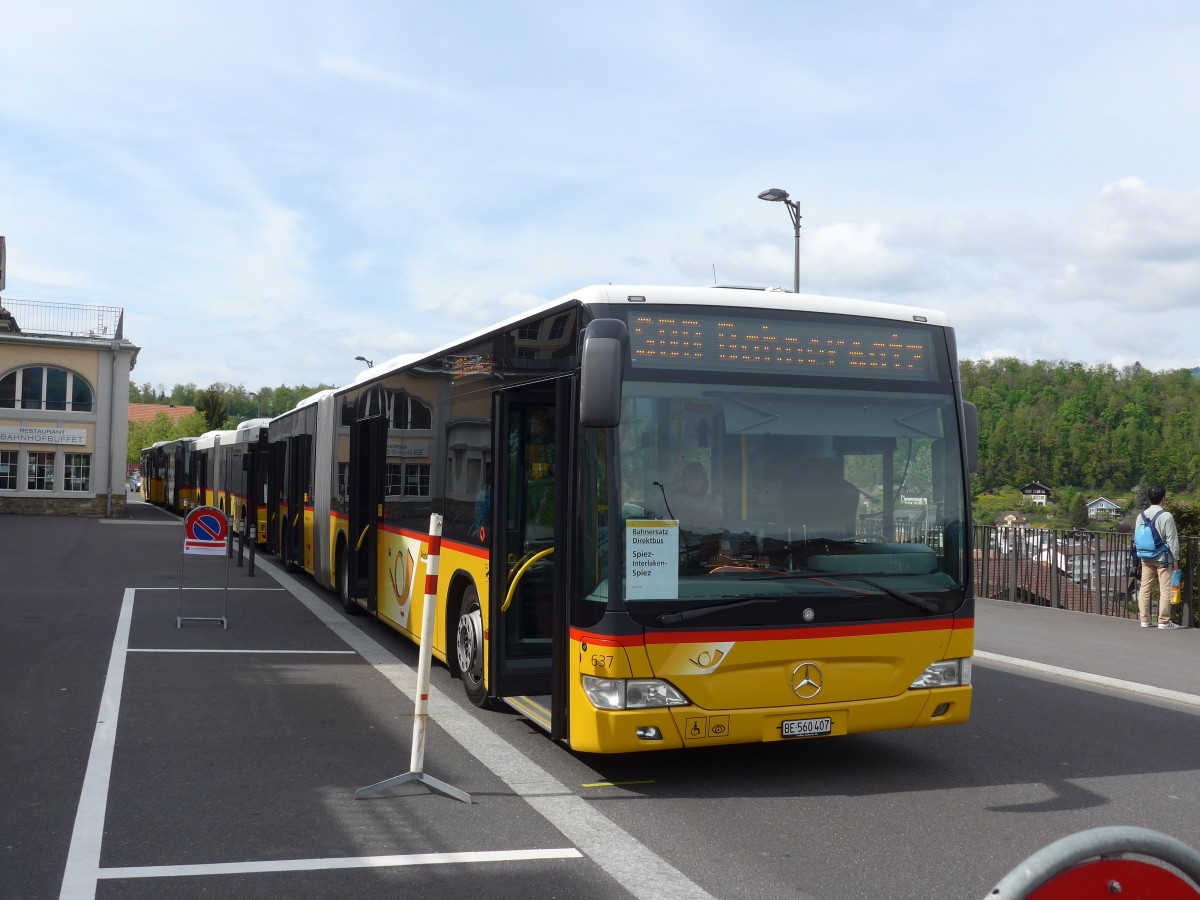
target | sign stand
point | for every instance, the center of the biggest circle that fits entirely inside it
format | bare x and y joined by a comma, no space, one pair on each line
424,662
205,532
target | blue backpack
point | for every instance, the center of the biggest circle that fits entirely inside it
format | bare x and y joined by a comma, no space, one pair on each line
1146,539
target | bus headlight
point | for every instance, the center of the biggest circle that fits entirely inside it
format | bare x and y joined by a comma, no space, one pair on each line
944,673
631,693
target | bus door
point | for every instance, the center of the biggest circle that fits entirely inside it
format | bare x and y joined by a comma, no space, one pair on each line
299,451
530,557
276,468
368,456
256,461
202,482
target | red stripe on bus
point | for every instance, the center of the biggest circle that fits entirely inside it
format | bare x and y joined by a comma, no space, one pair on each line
456,546
773,634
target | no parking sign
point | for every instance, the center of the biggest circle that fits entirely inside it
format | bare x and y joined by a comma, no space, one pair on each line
205,531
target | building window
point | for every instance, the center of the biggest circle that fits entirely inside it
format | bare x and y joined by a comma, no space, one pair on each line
529,332
416,479
8,470
407,480
369,404
78,467
393,480
406,411
45,387
40,471
559,328
343,482
56,388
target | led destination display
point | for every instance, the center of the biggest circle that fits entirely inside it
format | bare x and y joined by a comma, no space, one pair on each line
841,349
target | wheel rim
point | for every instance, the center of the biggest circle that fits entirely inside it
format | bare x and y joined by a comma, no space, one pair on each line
470,644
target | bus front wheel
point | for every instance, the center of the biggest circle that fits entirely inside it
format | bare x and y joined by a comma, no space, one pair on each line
469,644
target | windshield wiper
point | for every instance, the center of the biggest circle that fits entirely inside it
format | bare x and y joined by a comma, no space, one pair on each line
674,618
910,599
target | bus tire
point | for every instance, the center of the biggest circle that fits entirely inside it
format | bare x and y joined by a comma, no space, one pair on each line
348,602
468,643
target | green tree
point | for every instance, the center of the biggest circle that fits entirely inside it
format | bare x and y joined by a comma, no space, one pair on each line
161,428
212,404
1078,518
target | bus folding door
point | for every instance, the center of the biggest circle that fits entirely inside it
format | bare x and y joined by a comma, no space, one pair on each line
532,500
296,491
368,457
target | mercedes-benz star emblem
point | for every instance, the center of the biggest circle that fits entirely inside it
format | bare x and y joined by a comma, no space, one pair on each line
807,680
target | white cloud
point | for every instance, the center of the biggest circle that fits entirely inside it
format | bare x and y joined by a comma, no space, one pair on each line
314,184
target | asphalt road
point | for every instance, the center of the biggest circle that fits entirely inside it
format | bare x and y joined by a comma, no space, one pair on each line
138,759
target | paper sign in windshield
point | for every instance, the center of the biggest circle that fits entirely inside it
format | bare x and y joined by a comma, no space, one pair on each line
652,559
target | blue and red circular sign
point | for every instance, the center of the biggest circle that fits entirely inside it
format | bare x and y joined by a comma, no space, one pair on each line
205,530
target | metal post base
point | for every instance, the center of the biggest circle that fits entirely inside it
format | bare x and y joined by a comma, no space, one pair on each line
376,790
179,620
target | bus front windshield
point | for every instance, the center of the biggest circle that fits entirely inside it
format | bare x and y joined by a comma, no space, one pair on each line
763,504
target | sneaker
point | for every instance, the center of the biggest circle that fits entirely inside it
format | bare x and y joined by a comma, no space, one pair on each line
1145,624
1169,625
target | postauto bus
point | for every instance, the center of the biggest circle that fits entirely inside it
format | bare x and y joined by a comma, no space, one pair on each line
673,517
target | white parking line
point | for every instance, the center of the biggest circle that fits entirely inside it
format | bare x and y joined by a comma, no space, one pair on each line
220,650
175,589
637,868
83,871
83,858
337,862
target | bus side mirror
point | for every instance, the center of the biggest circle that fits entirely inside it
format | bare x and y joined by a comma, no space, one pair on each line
971,423
602,365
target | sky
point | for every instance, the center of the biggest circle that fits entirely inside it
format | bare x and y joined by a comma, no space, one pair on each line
271,189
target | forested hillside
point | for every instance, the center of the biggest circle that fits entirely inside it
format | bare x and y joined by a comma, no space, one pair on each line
1091,427
1095,428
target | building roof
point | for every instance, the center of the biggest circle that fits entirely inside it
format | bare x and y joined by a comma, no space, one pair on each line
1011,518
148,412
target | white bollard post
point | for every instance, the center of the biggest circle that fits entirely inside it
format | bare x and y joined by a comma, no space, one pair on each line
424,664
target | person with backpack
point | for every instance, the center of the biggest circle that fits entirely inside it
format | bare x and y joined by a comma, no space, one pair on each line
1157,541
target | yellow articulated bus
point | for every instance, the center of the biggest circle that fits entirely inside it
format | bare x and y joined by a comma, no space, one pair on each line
154,474
243,471
169,475
211,480
672,517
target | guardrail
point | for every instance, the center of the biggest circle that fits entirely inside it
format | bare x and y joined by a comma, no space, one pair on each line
63,319
1086,571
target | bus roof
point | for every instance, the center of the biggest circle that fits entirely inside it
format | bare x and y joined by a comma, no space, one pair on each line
715,295
651,295
211,438
248,426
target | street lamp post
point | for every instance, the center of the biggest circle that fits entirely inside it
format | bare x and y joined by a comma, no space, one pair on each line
776,195
364,359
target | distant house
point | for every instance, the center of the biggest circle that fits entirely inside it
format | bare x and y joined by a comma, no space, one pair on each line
1011,520
1102,508
1036,493
146,412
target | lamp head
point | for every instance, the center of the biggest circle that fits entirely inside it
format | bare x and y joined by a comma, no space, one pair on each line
773,194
